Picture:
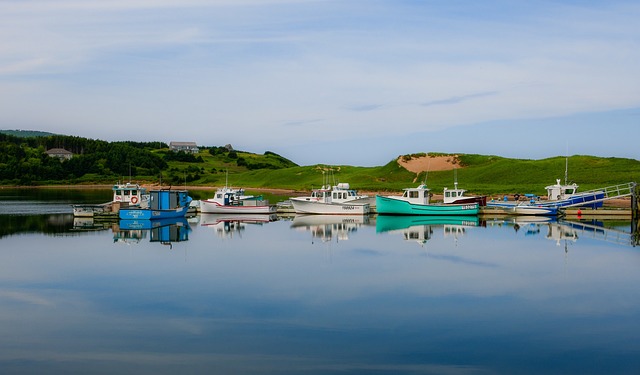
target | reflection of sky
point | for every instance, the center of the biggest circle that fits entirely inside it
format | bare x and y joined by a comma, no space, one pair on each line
491,300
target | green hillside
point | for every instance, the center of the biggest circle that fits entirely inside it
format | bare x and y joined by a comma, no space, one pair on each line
24,161
477,173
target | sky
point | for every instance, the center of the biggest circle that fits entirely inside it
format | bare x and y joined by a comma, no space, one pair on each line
329,82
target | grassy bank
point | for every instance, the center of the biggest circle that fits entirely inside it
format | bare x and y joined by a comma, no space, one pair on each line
480,174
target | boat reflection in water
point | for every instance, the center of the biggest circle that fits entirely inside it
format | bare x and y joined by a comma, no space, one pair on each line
420,228
88,224
228,225
164,231
568,231
327,227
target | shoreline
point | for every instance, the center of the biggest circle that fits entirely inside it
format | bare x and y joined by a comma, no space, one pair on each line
613,203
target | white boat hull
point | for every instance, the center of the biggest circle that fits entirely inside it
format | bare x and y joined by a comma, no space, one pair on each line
209,207
322,208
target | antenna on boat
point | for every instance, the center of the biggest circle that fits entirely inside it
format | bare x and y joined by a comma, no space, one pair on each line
566,166
455,177
426,175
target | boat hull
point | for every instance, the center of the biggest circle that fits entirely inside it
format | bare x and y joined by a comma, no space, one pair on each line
150,214
585,200
480,200
520,209
322,208
210,207
395,206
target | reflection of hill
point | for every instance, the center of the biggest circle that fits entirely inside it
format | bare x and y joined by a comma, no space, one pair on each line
326,227
48,224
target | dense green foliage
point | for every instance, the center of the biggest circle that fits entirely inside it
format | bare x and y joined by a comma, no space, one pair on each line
23,161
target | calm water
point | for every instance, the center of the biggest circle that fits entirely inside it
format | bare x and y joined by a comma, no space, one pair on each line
315,295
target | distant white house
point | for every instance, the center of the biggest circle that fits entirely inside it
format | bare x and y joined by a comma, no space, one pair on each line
59,153
190,147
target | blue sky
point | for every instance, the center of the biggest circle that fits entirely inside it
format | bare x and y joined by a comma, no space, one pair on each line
335,82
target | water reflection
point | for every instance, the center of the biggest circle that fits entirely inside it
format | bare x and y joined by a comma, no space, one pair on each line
327,227
420,228
164,231
227,226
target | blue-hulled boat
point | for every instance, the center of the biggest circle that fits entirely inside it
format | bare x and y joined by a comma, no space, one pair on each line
566,195
163,204
415,201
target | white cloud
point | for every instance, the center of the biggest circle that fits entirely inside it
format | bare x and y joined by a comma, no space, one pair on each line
131,67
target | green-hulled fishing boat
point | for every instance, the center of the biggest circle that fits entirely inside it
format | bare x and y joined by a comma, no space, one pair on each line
415,201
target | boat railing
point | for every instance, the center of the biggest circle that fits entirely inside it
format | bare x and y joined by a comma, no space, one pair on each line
610,192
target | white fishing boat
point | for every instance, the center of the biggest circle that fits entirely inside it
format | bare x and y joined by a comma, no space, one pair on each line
322,201
564,195
125,195
457,195
528,209
228,200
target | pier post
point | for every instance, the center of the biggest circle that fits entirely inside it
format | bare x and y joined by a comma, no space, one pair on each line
635,213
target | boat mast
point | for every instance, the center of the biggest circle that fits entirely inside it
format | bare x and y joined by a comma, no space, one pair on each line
566,165
455,178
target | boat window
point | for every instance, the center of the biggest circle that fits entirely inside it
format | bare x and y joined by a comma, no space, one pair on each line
414,194
126,192
447,194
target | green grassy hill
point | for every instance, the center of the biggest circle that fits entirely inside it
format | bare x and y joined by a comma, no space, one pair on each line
480,174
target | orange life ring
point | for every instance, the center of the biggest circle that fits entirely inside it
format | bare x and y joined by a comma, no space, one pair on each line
134,200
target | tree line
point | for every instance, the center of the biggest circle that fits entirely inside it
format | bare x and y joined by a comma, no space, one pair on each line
24,161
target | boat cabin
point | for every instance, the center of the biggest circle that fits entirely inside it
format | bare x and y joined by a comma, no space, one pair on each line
169,199
559,192
453,195
131,194
342,193
419,195
322,194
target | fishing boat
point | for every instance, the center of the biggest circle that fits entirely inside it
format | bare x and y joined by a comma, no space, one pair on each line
163,204
457,195
322,201
229,200
415,201
125,195
564,195
528,208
